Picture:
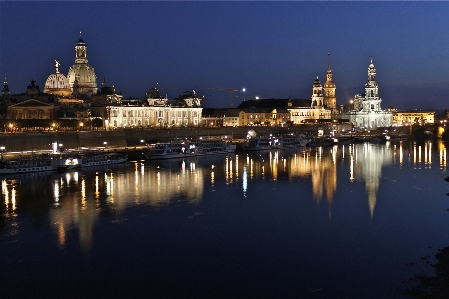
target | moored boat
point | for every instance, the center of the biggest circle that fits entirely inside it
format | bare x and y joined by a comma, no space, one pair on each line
170,150
25,166
89,159
213,147
258,143
292,141
38,164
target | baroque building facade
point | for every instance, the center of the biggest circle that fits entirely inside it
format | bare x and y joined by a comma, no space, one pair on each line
366,113
156,111
412,117
33,104
317,112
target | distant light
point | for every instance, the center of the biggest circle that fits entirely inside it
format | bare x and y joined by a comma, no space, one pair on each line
244,89
257,98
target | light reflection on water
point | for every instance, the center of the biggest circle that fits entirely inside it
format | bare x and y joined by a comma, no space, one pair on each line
80,200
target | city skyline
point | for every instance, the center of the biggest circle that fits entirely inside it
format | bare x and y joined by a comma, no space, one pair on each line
273,50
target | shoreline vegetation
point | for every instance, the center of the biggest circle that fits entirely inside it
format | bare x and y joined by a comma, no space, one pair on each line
432,287
436,286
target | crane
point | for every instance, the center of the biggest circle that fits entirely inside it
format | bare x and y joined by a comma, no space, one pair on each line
247,97
231,91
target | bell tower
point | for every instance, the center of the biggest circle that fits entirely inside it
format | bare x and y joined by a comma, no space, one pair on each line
372,101
371,87
317,94
330,96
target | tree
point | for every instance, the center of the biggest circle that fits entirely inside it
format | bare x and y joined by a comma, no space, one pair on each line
97,123
3,108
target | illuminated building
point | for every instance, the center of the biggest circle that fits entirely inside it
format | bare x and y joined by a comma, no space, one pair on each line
155,111
412,117
316,112
367,113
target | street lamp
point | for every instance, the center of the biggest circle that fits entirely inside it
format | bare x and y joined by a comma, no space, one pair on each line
10,127
2,148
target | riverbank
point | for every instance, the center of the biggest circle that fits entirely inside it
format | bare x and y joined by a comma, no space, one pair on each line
29,141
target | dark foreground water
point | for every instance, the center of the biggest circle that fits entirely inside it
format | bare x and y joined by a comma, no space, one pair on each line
352,221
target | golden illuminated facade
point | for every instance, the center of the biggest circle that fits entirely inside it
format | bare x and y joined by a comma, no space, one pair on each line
413,117
263,117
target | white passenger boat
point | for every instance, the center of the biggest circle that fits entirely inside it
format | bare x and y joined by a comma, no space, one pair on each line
170,150
90,159
25,166
38,164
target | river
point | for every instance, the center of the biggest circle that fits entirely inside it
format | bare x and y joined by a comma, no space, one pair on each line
348,221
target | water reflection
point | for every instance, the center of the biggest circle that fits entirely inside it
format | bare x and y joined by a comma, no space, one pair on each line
78,197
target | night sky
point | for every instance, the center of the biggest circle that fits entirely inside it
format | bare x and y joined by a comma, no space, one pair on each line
273,49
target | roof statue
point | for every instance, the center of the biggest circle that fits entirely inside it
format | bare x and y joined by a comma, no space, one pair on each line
57,64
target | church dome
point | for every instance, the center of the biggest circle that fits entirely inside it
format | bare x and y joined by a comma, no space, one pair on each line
82,72
317,82
57,84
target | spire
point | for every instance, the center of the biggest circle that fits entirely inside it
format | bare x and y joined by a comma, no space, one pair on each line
5,89
328,61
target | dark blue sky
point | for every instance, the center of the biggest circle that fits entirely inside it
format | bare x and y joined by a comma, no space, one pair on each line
273,49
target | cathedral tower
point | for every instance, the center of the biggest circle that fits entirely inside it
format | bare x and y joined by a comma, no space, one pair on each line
367,113
330,96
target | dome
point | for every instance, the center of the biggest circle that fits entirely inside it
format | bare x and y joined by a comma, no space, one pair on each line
82,72
317,82
57,84
57,80
86,77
